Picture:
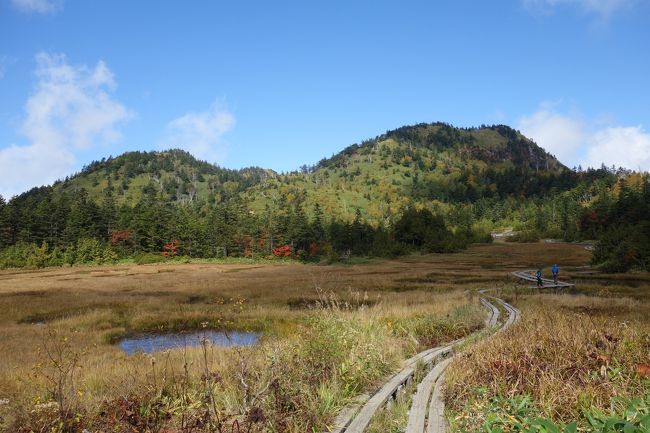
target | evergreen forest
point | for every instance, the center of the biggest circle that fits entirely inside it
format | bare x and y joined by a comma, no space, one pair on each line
428,188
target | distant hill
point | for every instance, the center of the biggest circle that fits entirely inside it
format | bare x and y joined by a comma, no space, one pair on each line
434,165
175,175
431,164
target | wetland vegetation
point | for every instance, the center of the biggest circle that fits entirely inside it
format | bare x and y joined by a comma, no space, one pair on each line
330,333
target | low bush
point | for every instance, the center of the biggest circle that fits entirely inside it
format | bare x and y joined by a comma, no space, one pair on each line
524,236
148,258
566,363
30,255
520,414
24,255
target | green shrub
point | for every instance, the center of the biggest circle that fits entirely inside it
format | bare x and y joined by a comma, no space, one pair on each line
148,258
92,251
27,255
623,247
56,257
524,236
89,251
109,255
519,414
32,256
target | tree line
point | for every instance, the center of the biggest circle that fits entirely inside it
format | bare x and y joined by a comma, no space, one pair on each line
52,227
49,227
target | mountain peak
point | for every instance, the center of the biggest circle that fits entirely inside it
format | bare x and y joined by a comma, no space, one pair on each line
496,144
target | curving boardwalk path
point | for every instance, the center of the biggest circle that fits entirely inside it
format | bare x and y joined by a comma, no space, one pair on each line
547,282
427,410
436,422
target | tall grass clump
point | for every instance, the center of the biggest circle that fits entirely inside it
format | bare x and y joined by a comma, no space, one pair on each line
427,330
556,364
334,358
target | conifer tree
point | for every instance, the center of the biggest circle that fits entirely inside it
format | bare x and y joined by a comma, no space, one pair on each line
4,228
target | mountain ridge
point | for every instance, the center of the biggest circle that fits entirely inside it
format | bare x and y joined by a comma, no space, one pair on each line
425,162
424,187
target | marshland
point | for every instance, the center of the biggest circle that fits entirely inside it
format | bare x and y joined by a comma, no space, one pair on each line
328,333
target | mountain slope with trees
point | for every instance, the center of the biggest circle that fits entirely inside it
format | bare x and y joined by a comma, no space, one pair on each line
431,165
173,175
427,187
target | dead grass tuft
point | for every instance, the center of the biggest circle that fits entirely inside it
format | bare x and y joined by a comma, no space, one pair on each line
565,359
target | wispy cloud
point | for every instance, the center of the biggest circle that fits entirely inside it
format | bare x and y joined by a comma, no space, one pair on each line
576,141
38,6
200,133
560,134
70,109
5,63
601,8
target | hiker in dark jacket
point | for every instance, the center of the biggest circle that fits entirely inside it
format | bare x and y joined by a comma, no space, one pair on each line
555,270
538,274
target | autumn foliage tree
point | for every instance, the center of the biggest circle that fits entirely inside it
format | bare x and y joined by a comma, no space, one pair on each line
283,251
120,238
171,249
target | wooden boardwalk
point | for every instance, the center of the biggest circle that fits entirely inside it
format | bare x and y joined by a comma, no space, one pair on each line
427,409
547,282
436,421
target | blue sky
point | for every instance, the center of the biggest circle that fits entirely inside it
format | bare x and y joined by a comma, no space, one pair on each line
281,84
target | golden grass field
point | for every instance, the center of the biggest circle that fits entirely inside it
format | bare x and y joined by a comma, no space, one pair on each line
330,331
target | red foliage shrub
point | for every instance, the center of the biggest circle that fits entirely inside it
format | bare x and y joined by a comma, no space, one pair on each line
171,248
283,251
120,238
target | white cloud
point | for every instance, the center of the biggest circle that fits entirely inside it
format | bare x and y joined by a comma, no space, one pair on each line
602,8
558,134
24,167
589,144
71,104
627,147
70,109
200,133
38,6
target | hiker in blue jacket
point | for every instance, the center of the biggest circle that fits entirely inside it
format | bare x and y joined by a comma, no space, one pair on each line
538,274
555,270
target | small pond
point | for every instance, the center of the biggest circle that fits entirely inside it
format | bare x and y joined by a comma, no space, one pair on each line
159,342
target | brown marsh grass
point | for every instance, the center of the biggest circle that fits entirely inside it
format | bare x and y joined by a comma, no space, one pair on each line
330,332
569,353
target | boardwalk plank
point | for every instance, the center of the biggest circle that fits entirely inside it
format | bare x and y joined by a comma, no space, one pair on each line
363,418
417,415
437,421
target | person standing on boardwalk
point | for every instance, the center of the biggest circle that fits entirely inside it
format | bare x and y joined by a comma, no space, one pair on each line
555,270
538,274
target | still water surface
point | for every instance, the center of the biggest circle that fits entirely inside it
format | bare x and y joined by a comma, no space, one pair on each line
157,343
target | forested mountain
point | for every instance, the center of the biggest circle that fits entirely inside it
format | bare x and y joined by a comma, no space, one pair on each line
173,175
433,165
427,187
